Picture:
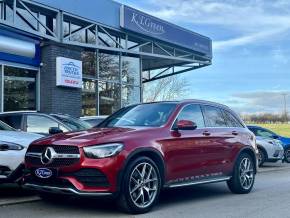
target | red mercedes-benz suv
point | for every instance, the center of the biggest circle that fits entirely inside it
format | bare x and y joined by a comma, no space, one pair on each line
143,148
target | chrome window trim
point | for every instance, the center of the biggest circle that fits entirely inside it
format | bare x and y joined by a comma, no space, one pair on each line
212,105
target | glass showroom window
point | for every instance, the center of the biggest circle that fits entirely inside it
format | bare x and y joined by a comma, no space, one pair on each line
19,89
89,63
109,97
1,89
130,95
131,70
89,98
109,67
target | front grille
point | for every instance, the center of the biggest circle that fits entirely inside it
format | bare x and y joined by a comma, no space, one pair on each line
58,162
90,177
61,149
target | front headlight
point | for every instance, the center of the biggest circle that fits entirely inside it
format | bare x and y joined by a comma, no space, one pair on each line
8,146
103,151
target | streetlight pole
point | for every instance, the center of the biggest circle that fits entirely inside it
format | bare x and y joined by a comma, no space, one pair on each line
285,106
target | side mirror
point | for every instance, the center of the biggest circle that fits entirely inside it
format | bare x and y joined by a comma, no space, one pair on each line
54,130
186,125
275,137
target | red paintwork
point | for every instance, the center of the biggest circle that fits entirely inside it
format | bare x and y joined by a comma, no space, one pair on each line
185,153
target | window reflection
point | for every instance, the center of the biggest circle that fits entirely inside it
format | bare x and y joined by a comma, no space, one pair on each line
89,98
89,63
109,67
130,95
19,89
131,70
110,95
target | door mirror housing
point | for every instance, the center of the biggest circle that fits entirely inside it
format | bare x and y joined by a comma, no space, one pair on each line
275,137
54,130
186,125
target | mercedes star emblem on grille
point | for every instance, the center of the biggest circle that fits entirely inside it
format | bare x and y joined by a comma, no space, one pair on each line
48,155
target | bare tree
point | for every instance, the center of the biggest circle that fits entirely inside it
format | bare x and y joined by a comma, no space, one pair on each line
169,88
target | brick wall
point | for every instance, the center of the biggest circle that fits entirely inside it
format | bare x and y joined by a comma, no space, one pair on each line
55,99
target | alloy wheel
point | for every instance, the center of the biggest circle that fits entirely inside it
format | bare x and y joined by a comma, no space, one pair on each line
143,185
246,173
287,155
260,158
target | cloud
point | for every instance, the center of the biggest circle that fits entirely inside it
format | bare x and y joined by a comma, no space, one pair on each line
251,20
260,101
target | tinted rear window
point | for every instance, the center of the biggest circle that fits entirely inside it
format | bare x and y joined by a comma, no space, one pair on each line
12,120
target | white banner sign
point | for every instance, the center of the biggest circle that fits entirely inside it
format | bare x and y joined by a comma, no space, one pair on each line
69,72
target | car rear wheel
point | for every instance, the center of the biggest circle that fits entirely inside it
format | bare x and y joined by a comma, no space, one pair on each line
261,157
243,177
141,186
287,155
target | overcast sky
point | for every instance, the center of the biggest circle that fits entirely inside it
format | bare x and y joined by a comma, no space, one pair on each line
251,41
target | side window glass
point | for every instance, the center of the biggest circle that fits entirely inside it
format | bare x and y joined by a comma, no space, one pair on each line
40,124
13,121
264,133
192,113
214,117
231,121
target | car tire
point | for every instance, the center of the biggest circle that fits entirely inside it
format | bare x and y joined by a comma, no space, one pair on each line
243,177
262,157
140,187
287,155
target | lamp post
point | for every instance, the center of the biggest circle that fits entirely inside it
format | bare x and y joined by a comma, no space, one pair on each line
285,106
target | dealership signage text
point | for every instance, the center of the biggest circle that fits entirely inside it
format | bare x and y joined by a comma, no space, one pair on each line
68,72
146,24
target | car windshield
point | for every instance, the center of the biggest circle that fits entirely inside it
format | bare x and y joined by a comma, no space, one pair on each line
73,123
144,115
4,126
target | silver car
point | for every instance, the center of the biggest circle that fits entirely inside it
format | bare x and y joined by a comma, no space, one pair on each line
270,150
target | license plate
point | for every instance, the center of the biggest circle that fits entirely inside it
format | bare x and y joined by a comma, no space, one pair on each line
44,173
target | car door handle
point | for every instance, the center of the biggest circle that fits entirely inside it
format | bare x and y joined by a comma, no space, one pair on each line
235,133
206,133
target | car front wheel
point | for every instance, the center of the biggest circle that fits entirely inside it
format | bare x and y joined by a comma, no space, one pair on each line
261,157
287,155
243,177
141,186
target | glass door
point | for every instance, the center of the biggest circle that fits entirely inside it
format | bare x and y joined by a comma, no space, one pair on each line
19,89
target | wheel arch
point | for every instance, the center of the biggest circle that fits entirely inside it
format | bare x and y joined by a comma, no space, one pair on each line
252,153
151,153
264,150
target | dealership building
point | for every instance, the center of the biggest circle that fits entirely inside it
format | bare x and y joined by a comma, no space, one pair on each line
87,57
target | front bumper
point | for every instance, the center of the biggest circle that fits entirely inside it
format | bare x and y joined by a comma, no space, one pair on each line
65,191
84,177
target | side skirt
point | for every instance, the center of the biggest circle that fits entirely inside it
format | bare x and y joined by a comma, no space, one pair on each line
190,183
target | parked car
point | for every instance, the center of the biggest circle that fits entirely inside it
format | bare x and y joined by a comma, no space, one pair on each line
143,148
41,123
13,146
94,120
270,150
263,132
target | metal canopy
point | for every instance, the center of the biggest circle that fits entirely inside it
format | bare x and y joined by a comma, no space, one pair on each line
62,27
